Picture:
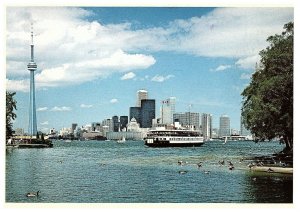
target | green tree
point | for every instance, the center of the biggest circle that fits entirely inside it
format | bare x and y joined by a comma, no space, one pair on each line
11,105
267,107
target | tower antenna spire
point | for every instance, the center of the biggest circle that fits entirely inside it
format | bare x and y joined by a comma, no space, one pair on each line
31,33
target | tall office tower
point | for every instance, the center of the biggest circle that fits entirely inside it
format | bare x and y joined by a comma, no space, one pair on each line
115,123
74,125
206,122
141,94
243,130
123,122
147,112
167,110
188,119
224,129
107,124
135,112
32,128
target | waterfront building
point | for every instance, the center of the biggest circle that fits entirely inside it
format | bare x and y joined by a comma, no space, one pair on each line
206,123
243,130
115,123
32,128
87,128
234,132
64,132
108,124
95,127
19,131
104,130
214,133
123,123
147,112
224,129
156,122
133,125
167,110
141,94
135,112
134,132
188,119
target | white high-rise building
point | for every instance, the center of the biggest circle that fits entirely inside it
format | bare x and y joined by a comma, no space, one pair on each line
206,122
141,94
224,129
167,110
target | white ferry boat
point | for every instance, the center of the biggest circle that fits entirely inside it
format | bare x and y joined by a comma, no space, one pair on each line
173,138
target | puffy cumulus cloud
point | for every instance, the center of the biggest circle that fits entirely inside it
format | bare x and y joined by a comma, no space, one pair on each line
86,106
128,76
113,101
232,32
63,108
160,78
70,49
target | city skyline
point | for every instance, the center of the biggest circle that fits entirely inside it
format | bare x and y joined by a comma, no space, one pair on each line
202,56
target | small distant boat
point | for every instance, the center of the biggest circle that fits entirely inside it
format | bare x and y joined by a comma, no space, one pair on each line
122,140
67,141
225,140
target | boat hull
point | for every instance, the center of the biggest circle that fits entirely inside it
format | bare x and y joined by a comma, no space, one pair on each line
165,144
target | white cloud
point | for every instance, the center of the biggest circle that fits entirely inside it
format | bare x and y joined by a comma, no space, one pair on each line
44,123
113,101
248,62
222,67
42,109
92,50
63,108
246,76
17,85
159,78
128,76
86,106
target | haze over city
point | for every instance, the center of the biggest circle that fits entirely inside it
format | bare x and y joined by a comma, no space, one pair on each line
91,61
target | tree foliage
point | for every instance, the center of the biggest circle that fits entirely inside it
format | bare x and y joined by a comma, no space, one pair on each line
267,107
11,105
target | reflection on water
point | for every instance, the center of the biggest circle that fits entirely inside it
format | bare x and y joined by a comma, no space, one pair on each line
105,171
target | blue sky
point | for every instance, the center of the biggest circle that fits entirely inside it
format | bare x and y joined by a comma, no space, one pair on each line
91,61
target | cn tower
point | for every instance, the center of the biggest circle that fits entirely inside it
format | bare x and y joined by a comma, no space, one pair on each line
32,129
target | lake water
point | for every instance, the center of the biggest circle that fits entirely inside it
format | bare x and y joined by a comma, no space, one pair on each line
109,172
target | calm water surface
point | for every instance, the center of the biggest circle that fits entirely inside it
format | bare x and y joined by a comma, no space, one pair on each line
105,171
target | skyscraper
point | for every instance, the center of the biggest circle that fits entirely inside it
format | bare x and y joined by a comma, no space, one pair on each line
115,123
147,112
141,94
135,112
224,126
188,119
123,122
167,110
32,128
206,122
